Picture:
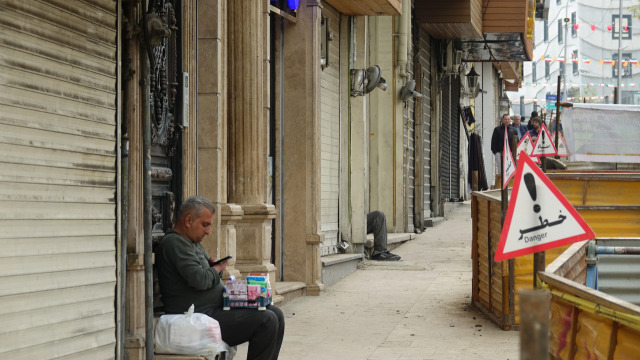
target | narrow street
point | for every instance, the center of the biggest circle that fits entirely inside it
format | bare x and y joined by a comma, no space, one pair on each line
417,308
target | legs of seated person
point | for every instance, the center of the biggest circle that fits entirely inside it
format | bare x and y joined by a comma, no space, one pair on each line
377,224
264,330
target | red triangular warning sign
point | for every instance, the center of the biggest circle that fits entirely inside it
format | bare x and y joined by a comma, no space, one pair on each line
562,145
509,166
539,217
543,145
525,144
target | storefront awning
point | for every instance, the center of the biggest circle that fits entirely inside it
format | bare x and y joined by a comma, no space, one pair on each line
367,7
497,47
511,73
487,30
450,19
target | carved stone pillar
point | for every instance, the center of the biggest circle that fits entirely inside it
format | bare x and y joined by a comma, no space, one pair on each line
303,233
248,133
253,244
229,215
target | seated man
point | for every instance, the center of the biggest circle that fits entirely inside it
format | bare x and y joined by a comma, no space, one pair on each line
377,224
187,276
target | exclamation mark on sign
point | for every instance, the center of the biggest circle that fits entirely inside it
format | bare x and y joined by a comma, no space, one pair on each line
530,183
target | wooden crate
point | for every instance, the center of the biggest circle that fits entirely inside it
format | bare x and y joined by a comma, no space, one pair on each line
609,203
585,323
495,286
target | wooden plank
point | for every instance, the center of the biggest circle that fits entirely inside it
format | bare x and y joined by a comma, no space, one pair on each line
491,195
500,27
586,293
368,7
14,285
37,301
85,342
474,248
568,259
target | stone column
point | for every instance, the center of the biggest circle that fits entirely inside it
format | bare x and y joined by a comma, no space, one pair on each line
212,128
248,133
303,234
230,214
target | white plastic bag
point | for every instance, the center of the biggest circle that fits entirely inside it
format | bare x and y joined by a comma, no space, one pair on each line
189,334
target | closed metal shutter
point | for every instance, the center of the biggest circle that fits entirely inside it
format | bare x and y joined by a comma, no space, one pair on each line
58,80
455,139
409,156
330,137
424,56
449,137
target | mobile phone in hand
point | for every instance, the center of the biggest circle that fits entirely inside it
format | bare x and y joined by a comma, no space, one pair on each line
222,260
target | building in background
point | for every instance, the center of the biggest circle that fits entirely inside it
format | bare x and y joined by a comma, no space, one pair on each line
582,37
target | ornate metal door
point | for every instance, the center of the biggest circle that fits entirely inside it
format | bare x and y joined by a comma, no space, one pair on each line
165,113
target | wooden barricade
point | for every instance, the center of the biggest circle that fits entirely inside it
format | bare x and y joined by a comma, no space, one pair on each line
608,201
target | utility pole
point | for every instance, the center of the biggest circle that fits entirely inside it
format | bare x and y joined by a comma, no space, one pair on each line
619,64
564,64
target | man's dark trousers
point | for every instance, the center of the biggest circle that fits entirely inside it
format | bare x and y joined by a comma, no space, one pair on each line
377,224
264,330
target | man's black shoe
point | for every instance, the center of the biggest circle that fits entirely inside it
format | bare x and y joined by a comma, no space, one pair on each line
385,256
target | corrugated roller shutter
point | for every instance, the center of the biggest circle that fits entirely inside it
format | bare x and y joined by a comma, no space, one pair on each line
455,138
425,62
449,137
445,140
330,136
58,72
409,157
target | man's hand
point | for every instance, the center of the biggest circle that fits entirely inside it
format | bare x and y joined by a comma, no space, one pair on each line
220,267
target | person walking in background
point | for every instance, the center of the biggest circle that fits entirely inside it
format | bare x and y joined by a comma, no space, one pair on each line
497,138
520,128
377,224
537,125
530,123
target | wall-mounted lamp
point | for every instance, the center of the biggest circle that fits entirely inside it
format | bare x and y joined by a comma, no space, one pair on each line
408,90
472,81
363,81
